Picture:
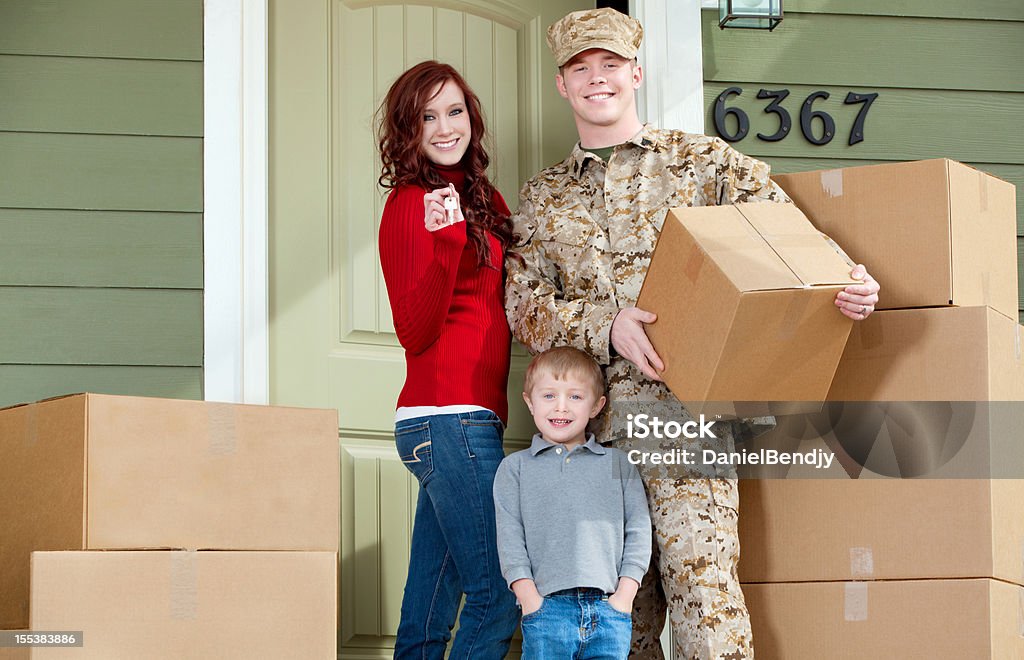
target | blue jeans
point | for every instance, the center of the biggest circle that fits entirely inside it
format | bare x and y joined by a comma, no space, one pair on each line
454,545
576,624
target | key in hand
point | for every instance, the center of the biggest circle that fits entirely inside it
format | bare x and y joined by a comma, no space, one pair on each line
451,205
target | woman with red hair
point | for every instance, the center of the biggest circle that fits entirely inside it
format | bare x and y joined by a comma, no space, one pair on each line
443,237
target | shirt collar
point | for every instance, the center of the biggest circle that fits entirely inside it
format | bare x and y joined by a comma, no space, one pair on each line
539,444
645,139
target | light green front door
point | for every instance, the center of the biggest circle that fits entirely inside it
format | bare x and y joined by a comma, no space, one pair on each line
332,340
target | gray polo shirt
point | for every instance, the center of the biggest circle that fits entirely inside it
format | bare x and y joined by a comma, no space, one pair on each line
571,519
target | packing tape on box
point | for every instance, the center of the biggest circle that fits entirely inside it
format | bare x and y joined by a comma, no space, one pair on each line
693,264
855,601
832,183
862,562
184,585
840,251
1016,342
791,318
222,431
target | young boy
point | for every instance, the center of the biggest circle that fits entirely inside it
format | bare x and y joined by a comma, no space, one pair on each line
574,533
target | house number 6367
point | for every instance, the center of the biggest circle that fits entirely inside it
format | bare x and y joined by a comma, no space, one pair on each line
808,114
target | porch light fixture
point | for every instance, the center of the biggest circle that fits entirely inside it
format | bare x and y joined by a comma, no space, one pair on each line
750,14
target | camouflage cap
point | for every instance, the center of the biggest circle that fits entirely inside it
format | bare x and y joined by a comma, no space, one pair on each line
594,28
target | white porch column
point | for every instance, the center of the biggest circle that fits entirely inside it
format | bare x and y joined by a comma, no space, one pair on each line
671,55
236,352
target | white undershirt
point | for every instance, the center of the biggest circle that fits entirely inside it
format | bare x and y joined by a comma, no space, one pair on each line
408,412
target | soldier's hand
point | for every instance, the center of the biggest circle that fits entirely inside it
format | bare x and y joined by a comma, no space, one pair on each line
858,300
630,340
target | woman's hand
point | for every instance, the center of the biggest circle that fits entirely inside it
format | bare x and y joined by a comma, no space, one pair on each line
433,208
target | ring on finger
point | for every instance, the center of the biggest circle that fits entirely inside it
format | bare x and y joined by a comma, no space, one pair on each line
863,310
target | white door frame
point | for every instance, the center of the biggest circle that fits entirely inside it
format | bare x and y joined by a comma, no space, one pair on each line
235,331
235,222
671,55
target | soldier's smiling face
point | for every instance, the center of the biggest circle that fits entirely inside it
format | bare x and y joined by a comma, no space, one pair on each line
599,86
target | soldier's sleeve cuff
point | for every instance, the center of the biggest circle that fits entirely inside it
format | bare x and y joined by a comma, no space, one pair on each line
603,317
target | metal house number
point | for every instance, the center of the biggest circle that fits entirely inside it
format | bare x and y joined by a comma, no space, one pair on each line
820,135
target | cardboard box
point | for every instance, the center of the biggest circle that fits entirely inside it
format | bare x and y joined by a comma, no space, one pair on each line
109,472
804,530
933,393
945,354
914,619
15,653
744,297
167,604
932,232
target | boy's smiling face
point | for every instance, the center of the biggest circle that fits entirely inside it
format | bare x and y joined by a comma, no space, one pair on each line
561,407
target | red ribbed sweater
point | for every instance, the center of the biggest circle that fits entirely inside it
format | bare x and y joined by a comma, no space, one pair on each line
449,313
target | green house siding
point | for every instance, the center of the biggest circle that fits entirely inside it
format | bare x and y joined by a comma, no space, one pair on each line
101,154
948,75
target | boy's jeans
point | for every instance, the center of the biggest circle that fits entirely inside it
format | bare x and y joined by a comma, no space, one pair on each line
576,624
454,546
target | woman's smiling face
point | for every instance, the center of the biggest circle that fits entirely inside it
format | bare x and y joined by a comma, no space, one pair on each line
446,128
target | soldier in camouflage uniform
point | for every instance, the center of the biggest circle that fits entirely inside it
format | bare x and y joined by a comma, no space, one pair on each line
586,230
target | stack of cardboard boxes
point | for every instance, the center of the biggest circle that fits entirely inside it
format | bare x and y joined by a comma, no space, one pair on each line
872,563
170,529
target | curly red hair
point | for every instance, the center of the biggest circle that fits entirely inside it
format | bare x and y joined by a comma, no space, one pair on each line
403,163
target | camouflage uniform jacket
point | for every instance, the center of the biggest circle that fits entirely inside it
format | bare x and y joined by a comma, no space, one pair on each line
586,231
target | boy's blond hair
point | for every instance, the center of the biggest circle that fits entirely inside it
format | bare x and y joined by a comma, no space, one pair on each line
562,361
